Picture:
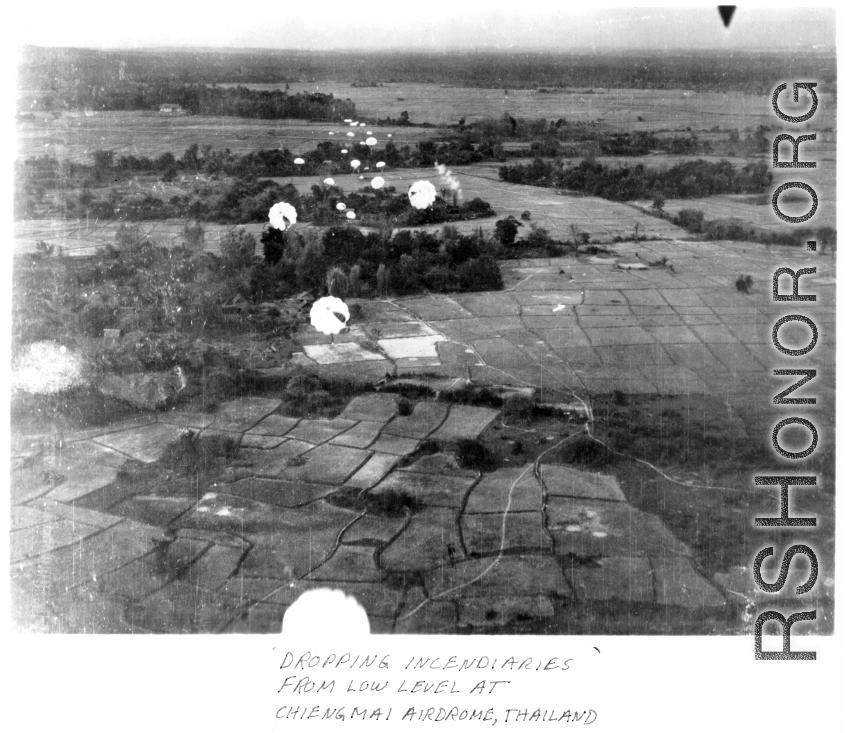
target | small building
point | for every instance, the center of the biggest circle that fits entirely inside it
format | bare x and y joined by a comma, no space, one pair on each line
171,109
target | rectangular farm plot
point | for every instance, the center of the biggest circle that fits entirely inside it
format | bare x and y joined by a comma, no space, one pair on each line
431,489
319,431
465,421
376,468
243,413
515,488
489,533
327,464
426,543
145,444
414,347
272,461
361,435
566,481
372,407
340,353
627,579
607,528
425,418
275,425
618,336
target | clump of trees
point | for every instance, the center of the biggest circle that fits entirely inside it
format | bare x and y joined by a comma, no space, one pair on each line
375,263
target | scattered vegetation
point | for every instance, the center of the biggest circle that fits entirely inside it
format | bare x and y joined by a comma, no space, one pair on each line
743,284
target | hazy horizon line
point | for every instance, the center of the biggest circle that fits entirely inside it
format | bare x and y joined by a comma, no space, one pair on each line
586,50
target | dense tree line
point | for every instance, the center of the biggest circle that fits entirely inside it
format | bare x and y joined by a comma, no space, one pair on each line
375,262
733,229
202,99
689,179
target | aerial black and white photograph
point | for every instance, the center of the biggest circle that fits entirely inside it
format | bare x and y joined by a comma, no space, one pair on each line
505,319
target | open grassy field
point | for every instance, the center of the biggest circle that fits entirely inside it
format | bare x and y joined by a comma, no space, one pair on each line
74,136
624,109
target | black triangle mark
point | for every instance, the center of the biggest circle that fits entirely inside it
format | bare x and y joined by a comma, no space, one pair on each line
726,11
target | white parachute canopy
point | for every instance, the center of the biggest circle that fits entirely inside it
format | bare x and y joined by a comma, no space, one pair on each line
329,181
299,161
351,214
329,315
341,206
371,141
282,216
422,194
380,165
355,163
350,134
378,182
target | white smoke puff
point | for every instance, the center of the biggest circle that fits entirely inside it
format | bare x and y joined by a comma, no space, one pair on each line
329,315
448,179
370,141
326,612
341,206
378,182
329,181
48,368
422,194
282,216
351,214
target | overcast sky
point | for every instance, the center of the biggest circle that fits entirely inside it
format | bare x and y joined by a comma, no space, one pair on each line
415,25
